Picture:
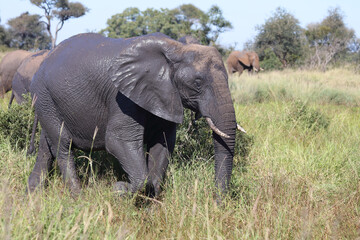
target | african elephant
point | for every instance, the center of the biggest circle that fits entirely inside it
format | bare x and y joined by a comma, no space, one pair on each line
238,61
8,66
124,94
24,74
188,39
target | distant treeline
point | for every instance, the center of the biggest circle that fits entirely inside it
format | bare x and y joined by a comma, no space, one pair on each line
280,42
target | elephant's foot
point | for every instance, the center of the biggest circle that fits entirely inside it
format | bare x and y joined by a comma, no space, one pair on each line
34,183
30,151
121,188
75,191
156,188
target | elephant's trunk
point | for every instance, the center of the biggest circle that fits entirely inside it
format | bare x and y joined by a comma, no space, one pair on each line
223,135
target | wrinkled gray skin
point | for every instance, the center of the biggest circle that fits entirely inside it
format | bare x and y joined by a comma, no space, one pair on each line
239,61
131,92
24,74
188,39
8,66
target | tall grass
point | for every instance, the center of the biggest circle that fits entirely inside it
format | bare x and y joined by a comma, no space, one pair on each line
299,178
336,86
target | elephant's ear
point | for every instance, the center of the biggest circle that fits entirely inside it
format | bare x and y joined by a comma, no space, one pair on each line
252,57
244,59
143,73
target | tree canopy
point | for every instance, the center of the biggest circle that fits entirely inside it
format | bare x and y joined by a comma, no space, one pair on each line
63,10
282,34
26,32
183,20
4,37
328,39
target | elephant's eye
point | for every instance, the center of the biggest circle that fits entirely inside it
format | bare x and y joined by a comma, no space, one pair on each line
198,83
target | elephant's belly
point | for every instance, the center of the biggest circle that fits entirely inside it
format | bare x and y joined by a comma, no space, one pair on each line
86,130
88,144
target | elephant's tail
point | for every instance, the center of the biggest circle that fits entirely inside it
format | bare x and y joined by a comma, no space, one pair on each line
11,99
31,149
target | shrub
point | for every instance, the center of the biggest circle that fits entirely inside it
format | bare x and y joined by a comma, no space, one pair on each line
307,118
16,123
271,61
244,143
337,97
261,94
194,141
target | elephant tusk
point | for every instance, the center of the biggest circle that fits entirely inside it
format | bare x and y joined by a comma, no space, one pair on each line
238,127
261,69
256,70
215,129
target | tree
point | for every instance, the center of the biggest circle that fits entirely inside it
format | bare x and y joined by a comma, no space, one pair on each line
355,53
4,36
205,26
270,61
63,10
328,39
283,35
27,32
215,23
183,20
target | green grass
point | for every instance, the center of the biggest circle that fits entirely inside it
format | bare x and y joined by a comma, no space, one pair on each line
336,86
299,178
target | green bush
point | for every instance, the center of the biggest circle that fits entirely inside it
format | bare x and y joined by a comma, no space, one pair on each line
307,118
16,123
262,94
270,61
194,141
337,97
244,143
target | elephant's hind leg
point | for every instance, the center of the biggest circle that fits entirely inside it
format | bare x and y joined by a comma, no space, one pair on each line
66,163
42,166
61,149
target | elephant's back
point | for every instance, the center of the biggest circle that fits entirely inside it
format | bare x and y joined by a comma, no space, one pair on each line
74,83
232,59
30,65
10,64
73,64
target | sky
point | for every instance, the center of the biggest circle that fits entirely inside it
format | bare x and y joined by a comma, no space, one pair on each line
244,15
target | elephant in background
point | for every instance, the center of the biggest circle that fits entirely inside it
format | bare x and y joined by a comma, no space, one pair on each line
24,74
239,61
188,39
124,94
8,66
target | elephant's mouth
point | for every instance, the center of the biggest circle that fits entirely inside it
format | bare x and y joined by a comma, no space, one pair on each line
219,132
215,129
198,115
211,124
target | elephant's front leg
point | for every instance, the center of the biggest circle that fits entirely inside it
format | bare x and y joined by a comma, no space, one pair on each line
125,142
160,146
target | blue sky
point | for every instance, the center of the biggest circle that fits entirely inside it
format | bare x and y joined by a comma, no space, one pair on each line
244,15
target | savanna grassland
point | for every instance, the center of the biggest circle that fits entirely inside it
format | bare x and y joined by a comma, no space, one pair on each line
296,174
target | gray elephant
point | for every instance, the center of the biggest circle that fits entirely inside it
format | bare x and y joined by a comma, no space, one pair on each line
8,66
124,94
239,61
24,74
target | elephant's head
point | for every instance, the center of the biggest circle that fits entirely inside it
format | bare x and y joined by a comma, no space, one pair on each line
163,76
